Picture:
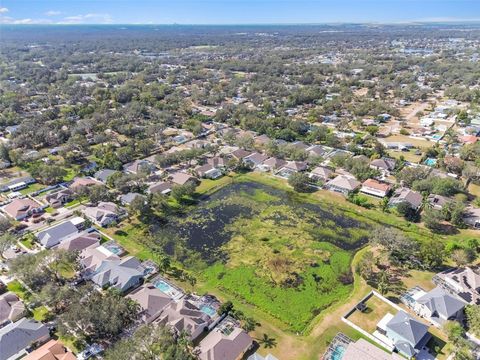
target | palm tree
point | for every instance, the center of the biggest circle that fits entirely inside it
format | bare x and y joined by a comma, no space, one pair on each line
268,342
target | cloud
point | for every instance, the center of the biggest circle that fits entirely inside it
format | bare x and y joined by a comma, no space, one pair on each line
53,13
3,10
88,19
10,20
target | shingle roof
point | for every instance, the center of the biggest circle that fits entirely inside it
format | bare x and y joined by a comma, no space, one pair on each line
439,301
407,327
55,234
19,335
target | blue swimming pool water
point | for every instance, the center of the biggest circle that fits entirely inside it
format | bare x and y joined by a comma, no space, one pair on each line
430,162
337,353
210,311
163,286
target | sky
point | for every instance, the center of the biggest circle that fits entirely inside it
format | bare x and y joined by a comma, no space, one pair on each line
235,11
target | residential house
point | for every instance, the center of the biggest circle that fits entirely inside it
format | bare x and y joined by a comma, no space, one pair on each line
82,241
254,159
225,342
52,350
152,302
343,184
363,350
104,214
463,282
272,164
405,195
17,184
407,334
208,171
438,306
17,338
20,209
437,202
321,173
375,188
318,150
139,166
218,162
56,234
471,217
384,165
262,140
181,178
240,154
184,316
103,175
296,166
162,187
59,198
92,257
83,181
126,199
11,308
122,274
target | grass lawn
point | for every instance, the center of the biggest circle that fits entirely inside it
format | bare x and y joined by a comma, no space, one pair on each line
40,313
32,188
376,310
16,287
28,242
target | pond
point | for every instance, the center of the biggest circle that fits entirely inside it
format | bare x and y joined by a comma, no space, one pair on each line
207,229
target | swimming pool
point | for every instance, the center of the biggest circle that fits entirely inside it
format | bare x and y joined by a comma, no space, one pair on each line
337,353
209,310
164,287
430,162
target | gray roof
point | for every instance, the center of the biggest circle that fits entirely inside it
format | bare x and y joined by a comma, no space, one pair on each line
16,337
103,175
408,328
55,234
438,301
128,198
121,274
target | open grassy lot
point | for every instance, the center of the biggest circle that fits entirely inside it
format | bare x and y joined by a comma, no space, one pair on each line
16,287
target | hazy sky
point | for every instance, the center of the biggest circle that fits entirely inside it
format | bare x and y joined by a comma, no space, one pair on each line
234,11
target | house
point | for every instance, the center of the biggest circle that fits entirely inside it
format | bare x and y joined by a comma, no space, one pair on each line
83,181
162,187
363,350
375,188
183,316
254,159
139,166
52,350
104,214
240,154
407,334
56,234
218,162
471,217
103,175
82,241
437,202
20,209
16,338
343,184
11,308
17,184
152,302
463,282
59,198
320,173
317,150
438,306
273,163
296,166
208,171
92,257
181,178
225,342
385,165
262,140
405,195
126,199
122,274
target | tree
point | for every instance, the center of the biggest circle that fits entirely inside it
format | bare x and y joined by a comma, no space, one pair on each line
6,241
48,174
299,182
433,220
267,341
462,257
180,192
151,342
472,313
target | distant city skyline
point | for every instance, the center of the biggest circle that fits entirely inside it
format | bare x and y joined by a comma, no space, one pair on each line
236,11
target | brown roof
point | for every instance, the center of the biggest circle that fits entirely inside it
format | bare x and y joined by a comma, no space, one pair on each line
11,307
83,181
19,207
181,178
377,185
240,154
52,350
81,242
274,162
151,300
219,346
